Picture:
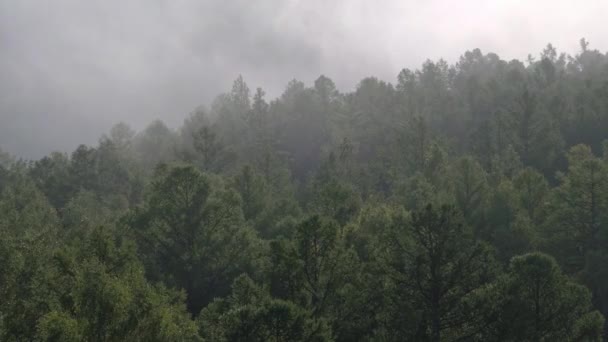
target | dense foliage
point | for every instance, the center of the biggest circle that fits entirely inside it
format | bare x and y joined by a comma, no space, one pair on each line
466,202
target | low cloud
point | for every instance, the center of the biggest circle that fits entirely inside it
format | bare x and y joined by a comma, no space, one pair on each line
69,69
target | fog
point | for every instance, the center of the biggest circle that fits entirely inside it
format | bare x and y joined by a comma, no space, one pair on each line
71,69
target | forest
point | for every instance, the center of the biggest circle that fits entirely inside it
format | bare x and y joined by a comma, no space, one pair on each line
462,202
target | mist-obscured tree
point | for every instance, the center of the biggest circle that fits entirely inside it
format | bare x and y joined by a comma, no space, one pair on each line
417,143
83,168
155,144
533,191
539,141
506,164
208,148
470,188
370,118
304,127
118,180
253,191
5,159
122,136
198,118
104,170
331,195
52,175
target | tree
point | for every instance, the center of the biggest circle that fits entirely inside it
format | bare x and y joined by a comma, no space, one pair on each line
253,191
5,159
470,188
332,195
250,314
193,123
122,136
435,258
29,231
304,127
156,144
418,141
82,169
539,141
371,117
534,301
26,214
577,209
316,256
262,139
103,170
97,292
117,178
208,148
508,227
85,212
240,94
192,235
533,191
52,176
416,192
317,271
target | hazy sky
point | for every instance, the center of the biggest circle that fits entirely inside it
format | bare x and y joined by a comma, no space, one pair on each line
69,69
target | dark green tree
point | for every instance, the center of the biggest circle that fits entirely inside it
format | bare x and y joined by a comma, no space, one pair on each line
534,301
192,234
250,314
435,258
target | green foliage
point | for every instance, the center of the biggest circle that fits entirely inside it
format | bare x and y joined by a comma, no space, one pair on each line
470,189
59,326
250,314
253,191
534,301
99,293
191,234
579,206
533,190
52,176
304,271
85,212
25,213
417,191
371,215
208,148
29,232
319,272
434,263
509,229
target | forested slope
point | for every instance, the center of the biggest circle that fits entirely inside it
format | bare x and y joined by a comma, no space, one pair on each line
463,202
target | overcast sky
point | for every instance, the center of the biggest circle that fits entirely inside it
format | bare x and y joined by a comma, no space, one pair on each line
69,69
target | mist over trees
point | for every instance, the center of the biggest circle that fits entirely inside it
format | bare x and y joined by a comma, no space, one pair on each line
464,202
